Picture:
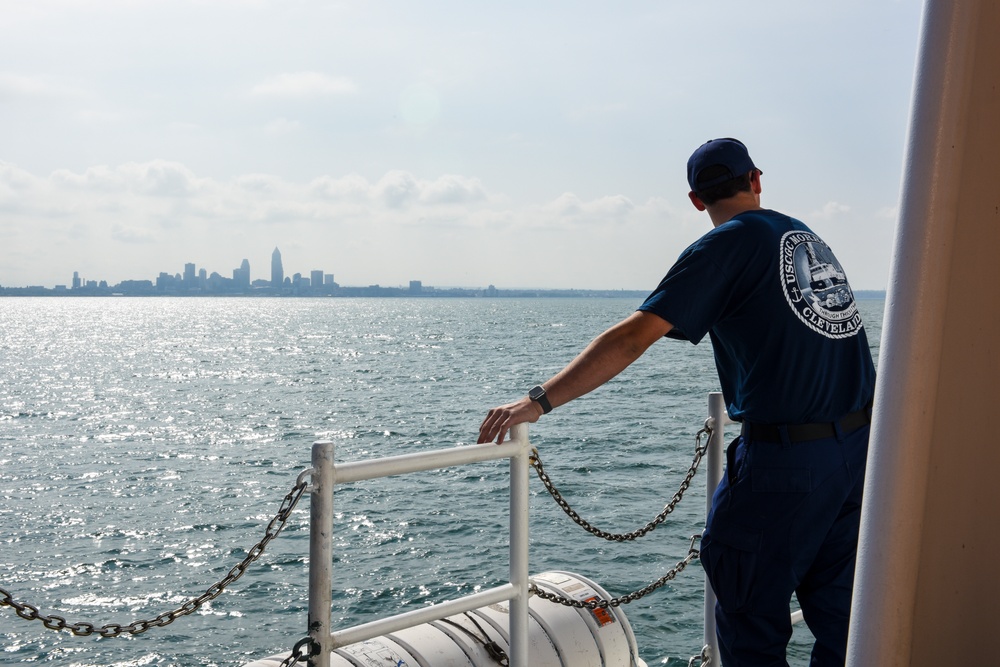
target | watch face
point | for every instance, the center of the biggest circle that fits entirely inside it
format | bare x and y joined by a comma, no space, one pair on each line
536,392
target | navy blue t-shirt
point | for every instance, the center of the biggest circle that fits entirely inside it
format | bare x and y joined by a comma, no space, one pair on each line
789,344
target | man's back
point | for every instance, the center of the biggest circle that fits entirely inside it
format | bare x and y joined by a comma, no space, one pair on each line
788,339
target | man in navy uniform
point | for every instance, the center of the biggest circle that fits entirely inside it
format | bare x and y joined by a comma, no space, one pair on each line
796,370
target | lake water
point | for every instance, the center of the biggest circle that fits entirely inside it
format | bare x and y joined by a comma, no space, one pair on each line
146,443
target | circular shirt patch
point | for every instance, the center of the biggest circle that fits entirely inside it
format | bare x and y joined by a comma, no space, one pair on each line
816,286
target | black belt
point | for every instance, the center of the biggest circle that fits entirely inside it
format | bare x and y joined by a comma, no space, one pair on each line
802,432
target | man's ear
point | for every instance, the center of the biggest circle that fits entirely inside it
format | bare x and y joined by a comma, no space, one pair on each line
698,204
755,181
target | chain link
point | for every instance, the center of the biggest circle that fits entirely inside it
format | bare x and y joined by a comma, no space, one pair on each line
704,659
699,451
83,629
299,654
693,554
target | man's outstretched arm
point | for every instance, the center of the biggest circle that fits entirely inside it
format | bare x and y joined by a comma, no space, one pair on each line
606,356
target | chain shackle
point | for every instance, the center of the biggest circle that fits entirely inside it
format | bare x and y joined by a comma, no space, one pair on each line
300,654
704,659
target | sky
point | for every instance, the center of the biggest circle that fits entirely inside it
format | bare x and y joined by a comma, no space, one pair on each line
520,144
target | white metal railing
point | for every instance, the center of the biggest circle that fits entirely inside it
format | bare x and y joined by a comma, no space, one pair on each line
714,464
326,475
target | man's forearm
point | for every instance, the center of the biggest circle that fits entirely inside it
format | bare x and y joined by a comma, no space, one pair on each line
606,356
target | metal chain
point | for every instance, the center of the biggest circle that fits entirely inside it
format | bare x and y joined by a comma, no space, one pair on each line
704,659
693,554
699,452
494,650
84,629
299,654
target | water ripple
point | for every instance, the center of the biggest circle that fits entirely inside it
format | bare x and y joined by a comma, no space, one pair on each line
146,443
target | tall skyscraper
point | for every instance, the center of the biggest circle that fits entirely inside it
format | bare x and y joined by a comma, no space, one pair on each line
190,279
241,276
277,271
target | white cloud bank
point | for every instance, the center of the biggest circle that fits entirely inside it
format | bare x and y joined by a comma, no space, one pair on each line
304,84
135,220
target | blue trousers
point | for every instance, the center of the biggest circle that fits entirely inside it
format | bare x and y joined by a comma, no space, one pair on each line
785,520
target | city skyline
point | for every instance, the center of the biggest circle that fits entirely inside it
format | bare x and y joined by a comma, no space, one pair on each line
194,277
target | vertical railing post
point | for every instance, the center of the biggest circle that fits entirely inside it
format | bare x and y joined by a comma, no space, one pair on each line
519,548
321,551
714,464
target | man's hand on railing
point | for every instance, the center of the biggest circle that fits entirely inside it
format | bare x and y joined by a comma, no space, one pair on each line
501,419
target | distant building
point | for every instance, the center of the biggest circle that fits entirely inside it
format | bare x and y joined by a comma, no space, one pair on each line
241,276
136,286
76,280
277,271
165,282
190,281
316,278
416,287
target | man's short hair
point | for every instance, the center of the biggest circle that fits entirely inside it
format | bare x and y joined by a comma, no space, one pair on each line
723,190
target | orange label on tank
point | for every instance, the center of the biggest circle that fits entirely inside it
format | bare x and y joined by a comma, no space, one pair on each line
603,616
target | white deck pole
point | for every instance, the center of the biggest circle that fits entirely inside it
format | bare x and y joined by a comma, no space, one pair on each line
714,465
321,551
519,548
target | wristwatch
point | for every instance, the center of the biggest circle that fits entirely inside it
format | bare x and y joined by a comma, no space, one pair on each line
537,394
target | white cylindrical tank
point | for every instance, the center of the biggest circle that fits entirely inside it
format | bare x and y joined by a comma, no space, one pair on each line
558,636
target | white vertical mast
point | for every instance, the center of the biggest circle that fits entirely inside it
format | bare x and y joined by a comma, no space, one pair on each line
929,540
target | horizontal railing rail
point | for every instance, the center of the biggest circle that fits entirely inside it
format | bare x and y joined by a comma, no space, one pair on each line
327,474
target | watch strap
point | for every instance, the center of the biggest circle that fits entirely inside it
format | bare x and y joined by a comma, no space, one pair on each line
537,394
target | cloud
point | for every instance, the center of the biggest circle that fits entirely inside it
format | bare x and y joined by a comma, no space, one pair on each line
397,188
14,181
400,189
452,189
159,178
262,183
830,210
566,204
17,86
97,178
603,209
127,234
352,187
888,212
304,84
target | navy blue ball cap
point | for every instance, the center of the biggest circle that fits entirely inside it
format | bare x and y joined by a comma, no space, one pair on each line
729,154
